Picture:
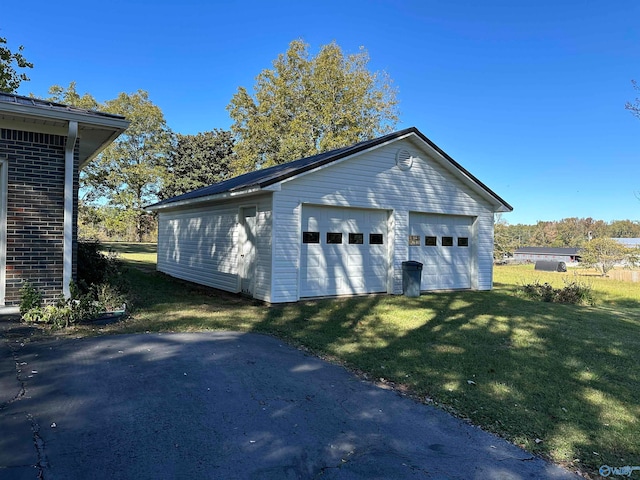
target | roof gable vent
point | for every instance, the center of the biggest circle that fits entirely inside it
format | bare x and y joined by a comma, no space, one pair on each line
404,159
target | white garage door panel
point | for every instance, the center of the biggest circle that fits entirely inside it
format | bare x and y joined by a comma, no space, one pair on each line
443,267
339,269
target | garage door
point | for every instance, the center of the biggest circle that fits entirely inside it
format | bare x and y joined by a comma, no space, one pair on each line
442,244
344,251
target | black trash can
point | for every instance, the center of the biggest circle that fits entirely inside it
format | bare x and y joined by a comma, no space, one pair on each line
411,278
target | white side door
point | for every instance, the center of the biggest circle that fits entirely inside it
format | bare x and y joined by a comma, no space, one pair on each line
247,260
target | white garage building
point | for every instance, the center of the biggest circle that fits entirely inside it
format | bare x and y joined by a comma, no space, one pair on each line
338,223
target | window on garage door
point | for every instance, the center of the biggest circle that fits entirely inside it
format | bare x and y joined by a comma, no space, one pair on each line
431,241
334,237
376,239
356,238
310,237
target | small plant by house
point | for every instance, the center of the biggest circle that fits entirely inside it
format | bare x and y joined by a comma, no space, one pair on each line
101,288
30,298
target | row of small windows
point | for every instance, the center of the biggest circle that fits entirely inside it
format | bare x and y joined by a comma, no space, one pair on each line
336,238
431,241
333,238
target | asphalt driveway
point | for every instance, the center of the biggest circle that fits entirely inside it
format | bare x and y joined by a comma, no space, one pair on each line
224,405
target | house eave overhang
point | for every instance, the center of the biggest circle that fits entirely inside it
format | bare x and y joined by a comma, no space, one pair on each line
95,130
42,112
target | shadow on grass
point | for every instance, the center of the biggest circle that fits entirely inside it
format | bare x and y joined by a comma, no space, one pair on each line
559,380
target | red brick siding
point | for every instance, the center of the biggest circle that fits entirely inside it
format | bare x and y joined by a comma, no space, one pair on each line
35,212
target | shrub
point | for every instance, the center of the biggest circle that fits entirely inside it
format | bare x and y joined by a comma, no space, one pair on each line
65,312
100,288
109,296
30,298
32,315
573,292
94,267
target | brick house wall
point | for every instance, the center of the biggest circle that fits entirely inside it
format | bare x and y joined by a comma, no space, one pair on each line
35,212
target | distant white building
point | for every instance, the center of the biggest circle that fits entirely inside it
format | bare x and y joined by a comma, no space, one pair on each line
555,254
628,242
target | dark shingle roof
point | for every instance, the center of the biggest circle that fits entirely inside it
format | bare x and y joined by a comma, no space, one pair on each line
269,176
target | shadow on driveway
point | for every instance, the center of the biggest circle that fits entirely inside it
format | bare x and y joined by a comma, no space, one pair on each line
226,405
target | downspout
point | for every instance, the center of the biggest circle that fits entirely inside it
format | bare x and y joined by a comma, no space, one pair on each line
67,269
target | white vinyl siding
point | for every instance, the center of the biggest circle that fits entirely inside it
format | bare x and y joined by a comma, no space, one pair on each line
372,180
201,244
482,251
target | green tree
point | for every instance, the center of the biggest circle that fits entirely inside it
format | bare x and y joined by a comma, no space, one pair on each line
624,229
544,234
604,254
197,161
70,96
306,105
10,78
129,173
504,243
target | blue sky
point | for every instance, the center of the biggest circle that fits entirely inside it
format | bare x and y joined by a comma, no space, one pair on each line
528,96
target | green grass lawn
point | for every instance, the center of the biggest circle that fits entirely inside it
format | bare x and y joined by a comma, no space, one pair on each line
560,380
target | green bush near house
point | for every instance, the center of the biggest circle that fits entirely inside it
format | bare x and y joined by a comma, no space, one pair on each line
30,298
101,287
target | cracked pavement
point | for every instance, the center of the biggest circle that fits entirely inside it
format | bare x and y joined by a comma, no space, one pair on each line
223,405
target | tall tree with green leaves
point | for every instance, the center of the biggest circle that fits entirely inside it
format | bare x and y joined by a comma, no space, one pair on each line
10,78
70,96
306,105
197,161
129,173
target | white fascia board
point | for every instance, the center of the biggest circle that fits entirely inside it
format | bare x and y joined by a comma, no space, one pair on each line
209,198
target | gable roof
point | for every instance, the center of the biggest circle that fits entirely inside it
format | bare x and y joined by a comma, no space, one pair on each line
96,129
260,179
547,251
